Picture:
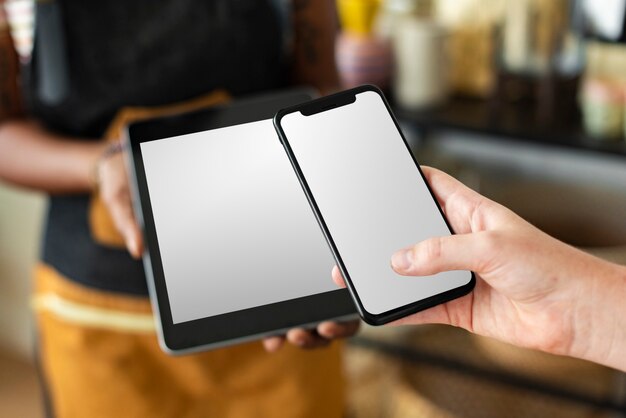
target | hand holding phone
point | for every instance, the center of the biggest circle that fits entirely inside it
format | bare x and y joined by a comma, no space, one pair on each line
370,199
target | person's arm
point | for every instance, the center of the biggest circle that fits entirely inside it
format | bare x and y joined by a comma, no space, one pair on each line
532,290
34,158
30,156
315,28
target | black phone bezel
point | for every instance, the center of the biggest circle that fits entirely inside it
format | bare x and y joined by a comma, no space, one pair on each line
234,327
330,102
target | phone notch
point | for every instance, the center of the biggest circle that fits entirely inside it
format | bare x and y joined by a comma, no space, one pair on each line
324,105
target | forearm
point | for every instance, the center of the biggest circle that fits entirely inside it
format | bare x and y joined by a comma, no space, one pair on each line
600,330
34,158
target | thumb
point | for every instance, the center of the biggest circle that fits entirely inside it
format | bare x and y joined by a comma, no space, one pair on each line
134,240
122,215
447,253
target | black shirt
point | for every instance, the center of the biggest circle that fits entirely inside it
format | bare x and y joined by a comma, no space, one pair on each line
140,53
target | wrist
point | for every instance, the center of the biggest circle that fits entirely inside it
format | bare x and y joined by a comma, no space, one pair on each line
600,320
79,160
104,151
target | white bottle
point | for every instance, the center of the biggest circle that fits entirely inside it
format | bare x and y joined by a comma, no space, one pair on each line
421,72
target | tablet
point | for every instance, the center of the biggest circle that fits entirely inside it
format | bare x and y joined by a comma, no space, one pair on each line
233,251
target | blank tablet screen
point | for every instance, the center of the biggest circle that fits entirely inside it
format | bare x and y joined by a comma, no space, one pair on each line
233,227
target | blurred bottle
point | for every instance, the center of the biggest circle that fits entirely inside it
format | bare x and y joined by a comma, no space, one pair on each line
539,37
541,55
421,75
602,103
395,11
363,57
20,15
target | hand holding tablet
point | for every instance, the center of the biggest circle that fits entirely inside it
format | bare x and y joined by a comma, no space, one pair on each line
233,252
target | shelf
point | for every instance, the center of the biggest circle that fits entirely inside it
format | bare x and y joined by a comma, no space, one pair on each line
515,122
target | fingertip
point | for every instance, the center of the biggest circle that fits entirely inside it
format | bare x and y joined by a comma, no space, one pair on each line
327,329
402,260
337,277
134,242
331,330
298,337
130,246
139,247
133,248
273,344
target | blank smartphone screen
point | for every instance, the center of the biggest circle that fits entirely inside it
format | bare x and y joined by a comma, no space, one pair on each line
371,196
234,229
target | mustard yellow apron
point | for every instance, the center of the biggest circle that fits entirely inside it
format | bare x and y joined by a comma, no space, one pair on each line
100,356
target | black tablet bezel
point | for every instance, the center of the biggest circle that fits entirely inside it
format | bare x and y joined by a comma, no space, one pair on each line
238,326
331,102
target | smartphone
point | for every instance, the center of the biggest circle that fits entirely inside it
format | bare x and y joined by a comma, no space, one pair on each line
370,199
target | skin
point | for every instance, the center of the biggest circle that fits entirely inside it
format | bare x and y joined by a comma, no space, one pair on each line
532,290
35,158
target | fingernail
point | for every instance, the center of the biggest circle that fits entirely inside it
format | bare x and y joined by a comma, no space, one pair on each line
329,334
401,260
132,246
272,345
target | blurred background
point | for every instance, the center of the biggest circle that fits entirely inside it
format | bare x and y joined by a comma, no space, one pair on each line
524,101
